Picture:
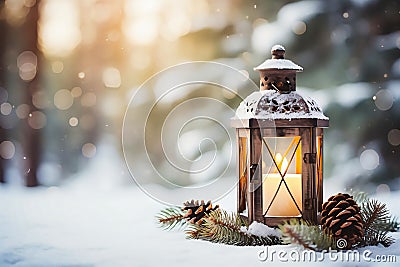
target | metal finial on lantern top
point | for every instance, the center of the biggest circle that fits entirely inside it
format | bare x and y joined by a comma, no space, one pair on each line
278,73
278,52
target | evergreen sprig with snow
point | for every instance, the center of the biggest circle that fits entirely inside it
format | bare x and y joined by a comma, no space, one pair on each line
230,228
219,226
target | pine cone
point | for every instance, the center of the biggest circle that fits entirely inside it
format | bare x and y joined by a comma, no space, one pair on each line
195,211
341,217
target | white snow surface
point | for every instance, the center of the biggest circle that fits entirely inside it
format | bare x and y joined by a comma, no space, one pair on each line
82,226
260,229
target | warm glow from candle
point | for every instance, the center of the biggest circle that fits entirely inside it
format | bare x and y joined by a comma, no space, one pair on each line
282,164
283,204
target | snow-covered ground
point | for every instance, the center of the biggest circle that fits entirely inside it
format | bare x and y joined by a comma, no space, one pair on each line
86,223
85,227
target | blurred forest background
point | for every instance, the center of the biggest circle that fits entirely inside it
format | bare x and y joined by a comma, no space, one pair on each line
68,69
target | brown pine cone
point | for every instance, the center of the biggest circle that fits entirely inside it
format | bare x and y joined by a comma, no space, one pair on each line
196,211
341,217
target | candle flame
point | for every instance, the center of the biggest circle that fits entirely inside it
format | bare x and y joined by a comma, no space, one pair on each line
282,163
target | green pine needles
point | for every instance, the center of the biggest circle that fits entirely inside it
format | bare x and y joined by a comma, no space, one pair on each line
377,223
307,235
218,226
227,228
171,218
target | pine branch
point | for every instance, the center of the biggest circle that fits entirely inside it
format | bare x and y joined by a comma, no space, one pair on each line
170,218
375,214
373,238
377,223
309,236
222,227
295,237
391,225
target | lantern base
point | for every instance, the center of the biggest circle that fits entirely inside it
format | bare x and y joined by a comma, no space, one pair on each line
275,221
271,221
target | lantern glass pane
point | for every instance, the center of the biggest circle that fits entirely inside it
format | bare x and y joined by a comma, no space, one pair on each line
242,194
281,172
319,172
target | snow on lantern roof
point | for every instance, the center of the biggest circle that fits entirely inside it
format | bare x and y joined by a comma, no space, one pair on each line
278,61
277,47
271,104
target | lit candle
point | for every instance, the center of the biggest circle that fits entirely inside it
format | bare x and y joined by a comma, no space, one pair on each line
283,204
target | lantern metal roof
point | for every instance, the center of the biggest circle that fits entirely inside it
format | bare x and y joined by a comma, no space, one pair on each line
278,99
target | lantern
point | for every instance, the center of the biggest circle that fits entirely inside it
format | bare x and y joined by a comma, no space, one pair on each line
279,142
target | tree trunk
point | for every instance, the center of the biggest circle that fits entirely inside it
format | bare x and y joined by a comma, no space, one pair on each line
31,137
3,69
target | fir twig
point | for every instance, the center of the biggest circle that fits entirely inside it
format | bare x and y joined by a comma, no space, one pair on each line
374,214
170,218
362,198
295,237
221,227
377,223
306,235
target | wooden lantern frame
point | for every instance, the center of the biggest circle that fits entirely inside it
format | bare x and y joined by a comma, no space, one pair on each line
278,111
250,134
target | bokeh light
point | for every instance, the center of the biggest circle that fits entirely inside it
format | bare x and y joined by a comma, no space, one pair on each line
59,30
299,27
23,111
394,137
383,100
73,121
5,108
369,159
76,92
27,65
382,189
16,10
111,77
40,100
88,150
142,21
7,149
63,99
81,75
37,120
